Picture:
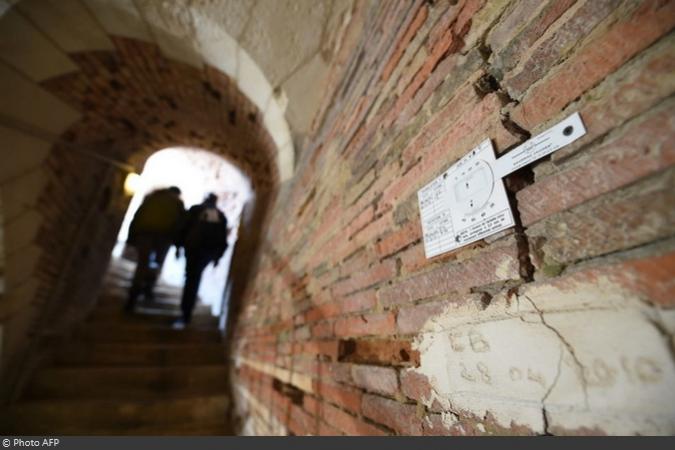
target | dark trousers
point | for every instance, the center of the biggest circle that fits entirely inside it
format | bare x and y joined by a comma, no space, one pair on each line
196,262
152,250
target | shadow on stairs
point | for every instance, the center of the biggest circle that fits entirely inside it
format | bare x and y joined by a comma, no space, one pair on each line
129,374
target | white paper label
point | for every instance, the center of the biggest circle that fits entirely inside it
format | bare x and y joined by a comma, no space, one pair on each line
468,202
465,204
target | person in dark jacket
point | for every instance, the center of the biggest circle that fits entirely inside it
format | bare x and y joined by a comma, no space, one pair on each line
203,234
152,231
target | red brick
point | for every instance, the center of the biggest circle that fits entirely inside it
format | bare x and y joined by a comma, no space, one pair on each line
396,240
339,372
323,329
635,88
464,101
382,180
540,59
360,301
366,324
413,259
382,380
327,348
367,235
508,48
357,262
327,430
648,278
342,396
363,219
415,385
368,277
479,119
400,417
594,61
365,160
311,405
444,23
323,311
390,352
299,422
403,42
499,263
307,364
449,42
653,277
450,71
349,424
624,219
642,148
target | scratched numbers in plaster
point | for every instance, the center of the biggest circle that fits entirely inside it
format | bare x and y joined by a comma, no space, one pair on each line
512,367
629,373
504,367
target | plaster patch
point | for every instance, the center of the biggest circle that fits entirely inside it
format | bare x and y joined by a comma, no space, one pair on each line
574,293
506,268
448,419
586,353
504,367
628,370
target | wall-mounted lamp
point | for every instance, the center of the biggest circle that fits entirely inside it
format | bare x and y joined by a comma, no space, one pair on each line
132,183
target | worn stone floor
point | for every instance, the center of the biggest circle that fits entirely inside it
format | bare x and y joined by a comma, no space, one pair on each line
126,374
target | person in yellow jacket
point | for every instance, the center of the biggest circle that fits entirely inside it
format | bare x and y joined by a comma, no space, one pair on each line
152,231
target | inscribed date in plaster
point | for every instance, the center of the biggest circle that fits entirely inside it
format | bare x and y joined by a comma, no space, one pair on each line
581,358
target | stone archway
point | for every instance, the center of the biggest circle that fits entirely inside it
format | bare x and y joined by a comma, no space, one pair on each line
116,110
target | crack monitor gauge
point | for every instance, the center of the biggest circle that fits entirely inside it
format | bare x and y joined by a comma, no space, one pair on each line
468,202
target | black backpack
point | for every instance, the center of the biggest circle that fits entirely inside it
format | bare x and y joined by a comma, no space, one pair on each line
208,230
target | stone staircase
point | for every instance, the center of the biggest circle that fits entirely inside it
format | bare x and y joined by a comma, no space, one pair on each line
129,374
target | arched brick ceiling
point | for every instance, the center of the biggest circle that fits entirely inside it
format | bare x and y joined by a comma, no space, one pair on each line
134,101
114,60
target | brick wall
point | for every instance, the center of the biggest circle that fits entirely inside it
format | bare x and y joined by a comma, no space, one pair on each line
563,324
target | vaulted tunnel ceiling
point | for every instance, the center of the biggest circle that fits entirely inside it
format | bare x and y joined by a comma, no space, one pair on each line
126,77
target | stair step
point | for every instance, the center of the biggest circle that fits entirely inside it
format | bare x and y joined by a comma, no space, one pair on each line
149,334
127,382
140,354
146,316
132,374
112,416
151,314
118,295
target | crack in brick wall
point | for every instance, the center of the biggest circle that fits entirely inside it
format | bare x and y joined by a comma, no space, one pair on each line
591,257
